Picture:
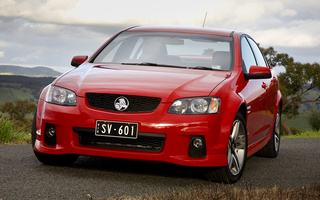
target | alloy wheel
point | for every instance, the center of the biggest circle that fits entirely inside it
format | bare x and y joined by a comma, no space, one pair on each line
236,148
277,132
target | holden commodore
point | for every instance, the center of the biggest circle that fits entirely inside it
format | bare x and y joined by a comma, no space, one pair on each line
196,97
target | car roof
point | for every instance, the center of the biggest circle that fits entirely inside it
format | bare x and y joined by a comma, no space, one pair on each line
178,29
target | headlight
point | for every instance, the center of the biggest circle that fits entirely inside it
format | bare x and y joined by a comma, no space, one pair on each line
197,105
61,96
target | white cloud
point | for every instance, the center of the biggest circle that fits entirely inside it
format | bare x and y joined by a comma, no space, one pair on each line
106,12
289,13
1,54
38,10
302,33
3,44
29,57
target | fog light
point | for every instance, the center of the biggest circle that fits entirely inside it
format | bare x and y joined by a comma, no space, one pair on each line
51,132
50,137
197,143
197,147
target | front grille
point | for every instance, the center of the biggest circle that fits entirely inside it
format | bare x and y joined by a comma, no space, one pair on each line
152,142
136,103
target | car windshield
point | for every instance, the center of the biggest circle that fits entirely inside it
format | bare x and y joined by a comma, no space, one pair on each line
195,51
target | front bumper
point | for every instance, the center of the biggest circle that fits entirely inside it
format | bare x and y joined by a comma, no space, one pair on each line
75,132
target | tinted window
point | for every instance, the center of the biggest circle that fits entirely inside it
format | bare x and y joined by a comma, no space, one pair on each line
247,56
257,53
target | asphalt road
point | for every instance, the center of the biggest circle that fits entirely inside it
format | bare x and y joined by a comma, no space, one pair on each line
23,177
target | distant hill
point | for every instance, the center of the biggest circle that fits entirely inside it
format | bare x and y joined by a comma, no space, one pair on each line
35,71
15,87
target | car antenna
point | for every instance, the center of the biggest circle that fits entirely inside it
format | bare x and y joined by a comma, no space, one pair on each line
204,21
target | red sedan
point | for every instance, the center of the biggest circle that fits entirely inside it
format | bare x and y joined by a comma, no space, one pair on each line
190,96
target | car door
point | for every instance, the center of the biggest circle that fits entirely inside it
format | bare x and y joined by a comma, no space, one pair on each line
255,94
270,85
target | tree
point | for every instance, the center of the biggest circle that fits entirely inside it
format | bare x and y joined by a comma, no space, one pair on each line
295,82
314,119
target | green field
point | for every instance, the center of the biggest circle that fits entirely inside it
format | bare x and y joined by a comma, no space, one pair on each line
13,88
299,122
14,92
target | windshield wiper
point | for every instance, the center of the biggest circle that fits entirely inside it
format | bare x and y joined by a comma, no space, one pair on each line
148,64
205,68
153,64
201,67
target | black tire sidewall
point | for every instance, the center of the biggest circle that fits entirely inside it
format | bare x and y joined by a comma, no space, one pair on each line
276,152
34,129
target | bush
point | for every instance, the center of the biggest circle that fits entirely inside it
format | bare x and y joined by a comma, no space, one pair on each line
313,118
9,133
17,113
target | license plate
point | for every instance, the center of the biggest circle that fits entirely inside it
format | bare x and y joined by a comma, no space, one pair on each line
116,129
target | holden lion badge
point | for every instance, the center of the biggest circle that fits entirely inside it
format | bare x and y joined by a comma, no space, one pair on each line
121,103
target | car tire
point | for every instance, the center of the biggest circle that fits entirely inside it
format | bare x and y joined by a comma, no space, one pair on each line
236,154
33,129
271,150
48,158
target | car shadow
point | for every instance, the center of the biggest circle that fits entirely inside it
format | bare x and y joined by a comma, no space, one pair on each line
138,167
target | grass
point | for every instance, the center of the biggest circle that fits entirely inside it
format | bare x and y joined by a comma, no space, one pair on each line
306,134
9,133
298,122
229,192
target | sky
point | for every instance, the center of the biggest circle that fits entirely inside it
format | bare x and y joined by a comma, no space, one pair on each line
50,32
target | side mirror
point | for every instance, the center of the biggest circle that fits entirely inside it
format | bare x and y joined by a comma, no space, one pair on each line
78,60
258,72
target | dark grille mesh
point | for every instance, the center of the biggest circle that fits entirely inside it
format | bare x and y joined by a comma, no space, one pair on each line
145,142
136,103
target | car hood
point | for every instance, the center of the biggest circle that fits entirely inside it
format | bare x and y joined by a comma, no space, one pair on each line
163,82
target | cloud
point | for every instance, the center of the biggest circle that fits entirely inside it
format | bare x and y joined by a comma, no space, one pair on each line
50,32
100,12
1,54
3,44
299,34
29,57
38,10
288,13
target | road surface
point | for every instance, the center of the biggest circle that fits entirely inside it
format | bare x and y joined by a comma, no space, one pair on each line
22,176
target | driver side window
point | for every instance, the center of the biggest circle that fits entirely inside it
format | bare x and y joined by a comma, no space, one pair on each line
247,55
258,55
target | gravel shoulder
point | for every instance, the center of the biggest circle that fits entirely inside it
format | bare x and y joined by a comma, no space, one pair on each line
22,176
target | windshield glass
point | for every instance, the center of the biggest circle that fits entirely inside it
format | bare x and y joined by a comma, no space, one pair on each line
169,49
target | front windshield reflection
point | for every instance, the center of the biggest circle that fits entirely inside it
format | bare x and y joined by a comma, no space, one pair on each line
169,50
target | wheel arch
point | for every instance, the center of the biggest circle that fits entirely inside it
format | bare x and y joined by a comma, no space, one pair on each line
279,104
243,110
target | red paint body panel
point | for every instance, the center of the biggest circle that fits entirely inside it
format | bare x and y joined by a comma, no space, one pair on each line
260,105
124,78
